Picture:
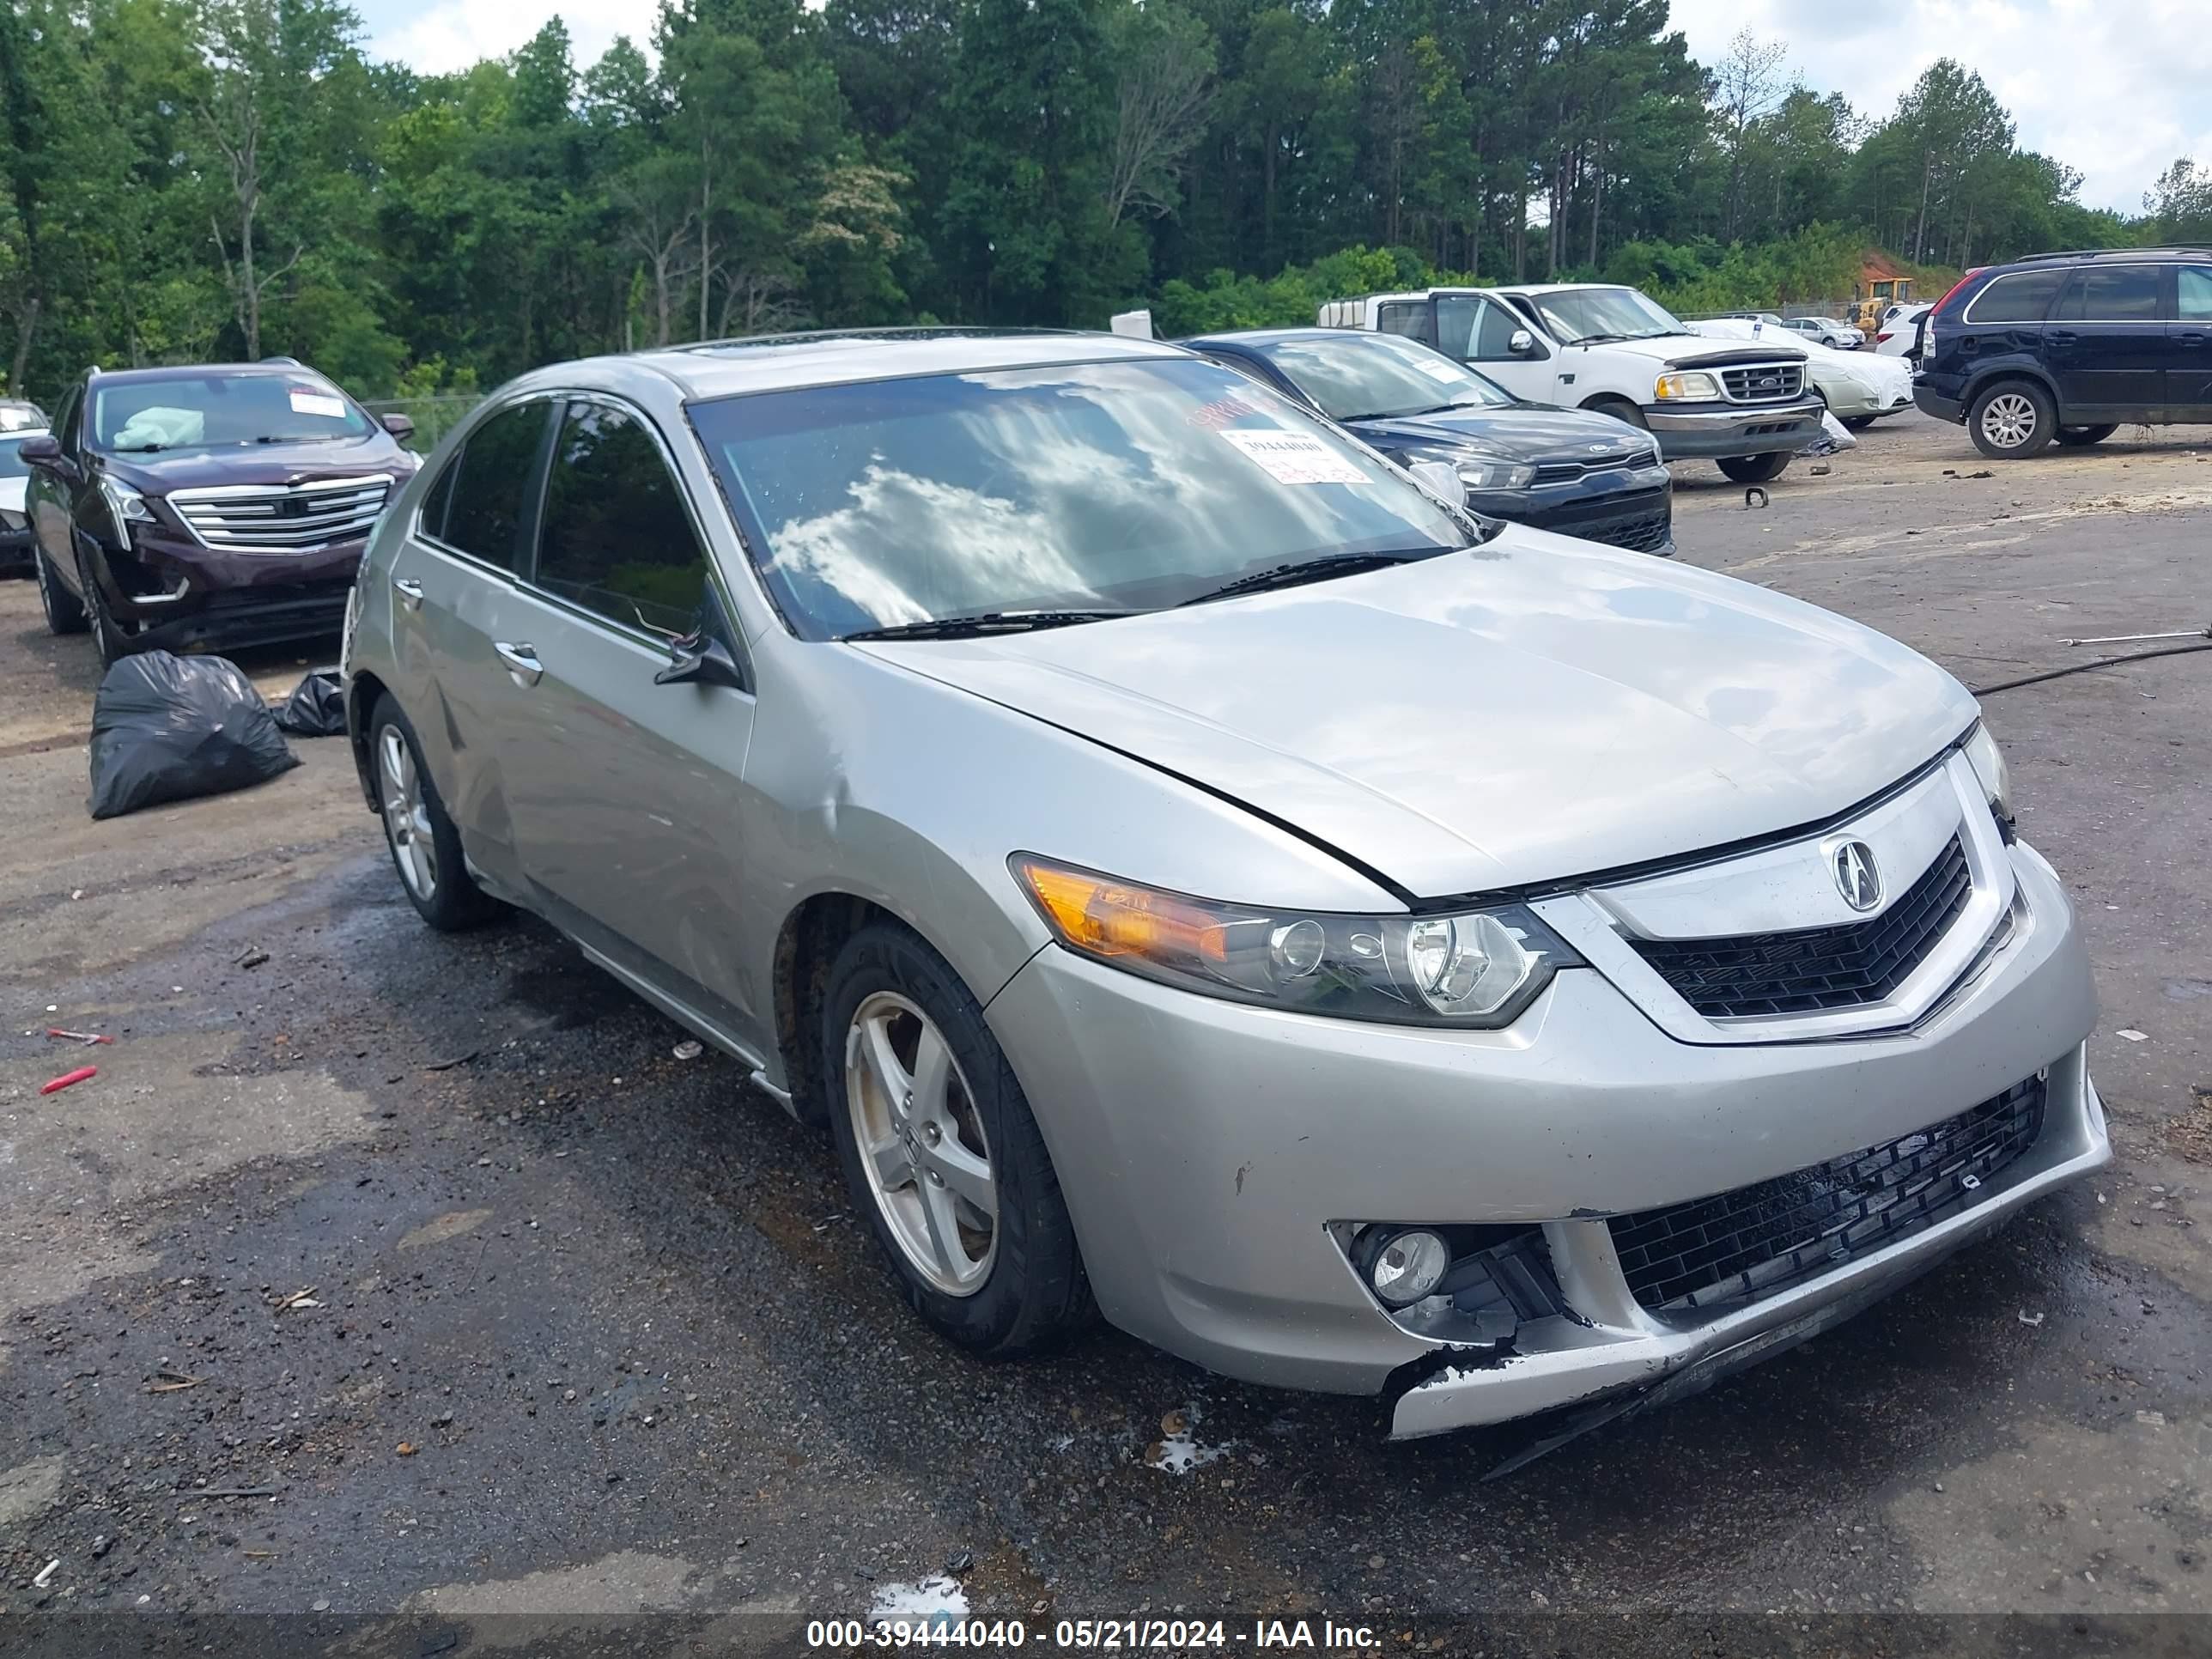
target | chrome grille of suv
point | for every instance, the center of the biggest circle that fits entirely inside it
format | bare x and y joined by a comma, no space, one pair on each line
293,519
1817,968
1763,383
1741,1245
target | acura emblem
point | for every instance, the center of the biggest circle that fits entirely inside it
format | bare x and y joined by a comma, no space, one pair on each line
1857,878
1602,449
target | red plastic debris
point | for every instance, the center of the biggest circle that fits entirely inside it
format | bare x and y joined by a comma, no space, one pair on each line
68,1078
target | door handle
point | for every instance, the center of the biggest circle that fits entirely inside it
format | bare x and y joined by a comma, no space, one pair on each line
409,592
2061,336
2192,336
521,661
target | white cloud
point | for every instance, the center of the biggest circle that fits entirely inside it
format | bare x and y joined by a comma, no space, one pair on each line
444,35
2115,91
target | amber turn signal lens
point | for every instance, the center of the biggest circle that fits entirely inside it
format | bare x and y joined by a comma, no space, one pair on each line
1107,918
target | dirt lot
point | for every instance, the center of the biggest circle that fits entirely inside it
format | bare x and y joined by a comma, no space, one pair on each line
589,1330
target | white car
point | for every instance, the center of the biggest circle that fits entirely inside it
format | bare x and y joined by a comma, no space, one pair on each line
1857,387
15,521
1827,330
1899,334
1602,347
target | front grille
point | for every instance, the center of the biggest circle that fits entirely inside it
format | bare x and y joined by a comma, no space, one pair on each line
284,520
1764,383
1645,534
1568,471
1817,968
1747,1243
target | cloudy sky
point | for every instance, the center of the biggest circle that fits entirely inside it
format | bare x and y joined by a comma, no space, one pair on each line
2117,89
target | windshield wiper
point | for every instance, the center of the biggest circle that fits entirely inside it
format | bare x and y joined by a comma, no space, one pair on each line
1311,570
989,622
1600,339
140,449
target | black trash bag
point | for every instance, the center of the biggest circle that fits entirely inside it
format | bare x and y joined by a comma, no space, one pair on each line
316,708
168,728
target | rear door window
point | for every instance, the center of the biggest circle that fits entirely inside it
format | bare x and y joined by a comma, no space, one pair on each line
2196,294
490,484
618,538
1408,319
2109,294
2021,297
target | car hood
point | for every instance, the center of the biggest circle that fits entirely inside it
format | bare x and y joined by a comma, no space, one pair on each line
1532,433
1695,351
1535,709
273,464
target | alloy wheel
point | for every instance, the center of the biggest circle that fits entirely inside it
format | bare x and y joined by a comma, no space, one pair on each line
921,1143
406,814
2008,420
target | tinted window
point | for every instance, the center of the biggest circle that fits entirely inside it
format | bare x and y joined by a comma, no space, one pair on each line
1410,321
2109,294
616,538
2022,297
1125,485
489,488
440,498
72,407
2196,294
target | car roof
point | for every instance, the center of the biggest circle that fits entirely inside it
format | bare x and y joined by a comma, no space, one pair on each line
782,362
1260,336
1559,287
196,371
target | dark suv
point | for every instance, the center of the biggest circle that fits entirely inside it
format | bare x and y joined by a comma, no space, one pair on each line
209,507
2071,347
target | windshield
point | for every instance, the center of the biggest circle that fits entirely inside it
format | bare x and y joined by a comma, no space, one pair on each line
22,418
1620,313
1099,486
1354,377
206,412
12,464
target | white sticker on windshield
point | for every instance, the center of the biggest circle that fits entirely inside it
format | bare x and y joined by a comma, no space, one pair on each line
318,402
1444,372
1296,457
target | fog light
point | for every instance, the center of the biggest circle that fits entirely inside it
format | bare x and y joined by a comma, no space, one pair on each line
1409,1266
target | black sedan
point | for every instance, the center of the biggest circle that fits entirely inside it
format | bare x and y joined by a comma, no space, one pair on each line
1561,470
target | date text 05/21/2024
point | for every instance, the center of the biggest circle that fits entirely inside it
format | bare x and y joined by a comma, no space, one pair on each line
1137,1634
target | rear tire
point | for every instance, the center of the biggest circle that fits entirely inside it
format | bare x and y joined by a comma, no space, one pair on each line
928,1116
2012,420
64,615
1755,468
424,843
2081,437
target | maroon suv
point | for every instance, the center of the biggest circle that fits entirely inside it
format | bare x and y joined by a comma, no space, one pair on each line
207,508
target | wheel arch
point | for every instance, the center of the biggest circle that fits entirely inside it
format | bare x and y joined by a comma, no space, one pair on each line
2034,374
361,693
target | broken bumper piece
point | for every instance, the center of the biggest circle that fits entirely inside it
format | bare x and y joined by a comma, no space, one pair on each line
1631,1357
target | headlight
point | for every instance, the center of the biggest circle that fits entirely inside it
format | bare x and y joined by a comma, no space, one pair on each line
1494,475
1988,763
128,506
1693,385
1476,969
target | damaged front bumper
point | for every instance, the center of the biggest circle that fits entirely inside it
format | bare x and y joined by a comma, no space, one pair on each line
1216,1159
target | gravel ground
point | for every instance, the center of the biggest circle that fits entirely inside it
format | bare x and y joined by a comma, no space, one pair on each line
411,1284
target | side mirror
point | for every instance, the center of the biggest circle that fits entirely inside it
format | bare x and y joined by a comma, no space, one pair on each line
700,659
1441,481
46,453
1521,342
399,426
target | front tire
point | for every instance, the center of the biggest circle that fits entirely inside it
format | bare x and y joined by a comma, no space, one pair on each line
940,1149
1755,468
2081,437
108,638
1855,423
64,615
424,843
2012,421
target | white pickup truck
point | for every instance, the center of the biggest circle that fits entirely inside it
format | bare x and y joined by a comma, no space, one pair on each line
1596,346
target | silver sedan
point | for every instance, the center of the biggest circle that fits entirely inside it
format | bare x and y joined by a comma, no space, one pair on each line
1199,873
